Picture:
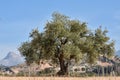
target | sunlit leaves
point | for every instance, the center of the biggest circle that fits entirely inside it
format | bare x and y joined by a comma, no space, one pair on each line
71,38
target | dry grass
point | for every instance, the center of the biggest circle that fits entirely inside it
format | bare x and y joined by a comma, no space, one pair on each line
59,78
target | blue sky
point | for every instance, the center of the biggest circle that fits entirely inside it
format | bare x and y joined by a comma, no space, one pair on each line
19,17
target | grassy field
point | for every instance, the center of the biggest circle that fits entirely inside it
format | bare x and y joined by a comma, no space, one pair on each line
59,78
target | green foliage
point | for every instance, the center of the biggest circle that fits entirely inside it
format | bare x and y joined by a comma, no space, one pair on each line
64,39
47,72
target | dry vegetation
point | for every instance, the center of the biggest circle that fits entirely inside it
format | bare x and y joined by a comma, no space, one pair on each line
59,78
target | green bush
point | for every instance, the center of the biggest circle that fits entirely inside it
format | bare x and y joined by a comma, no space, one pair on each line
46,72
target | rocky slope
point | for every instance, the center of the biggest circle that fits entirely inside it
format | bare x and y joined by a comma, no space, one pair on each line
12,59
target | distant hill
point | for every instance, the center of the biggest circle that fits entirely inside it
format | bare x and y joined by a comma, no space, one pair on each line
12,59
118,53
2,67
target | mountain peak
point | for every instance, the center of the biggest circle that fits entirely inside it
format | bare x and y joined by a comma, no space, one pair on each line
11,55
12,59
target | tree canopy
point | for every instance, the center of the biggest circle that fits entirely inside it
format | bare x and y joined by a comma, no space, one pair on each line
64,39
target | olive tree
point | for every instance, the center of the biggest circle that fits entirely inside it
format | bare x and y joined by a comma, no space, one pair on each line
64,39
